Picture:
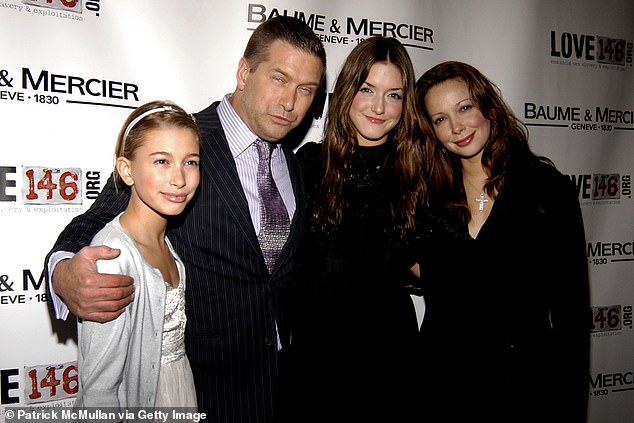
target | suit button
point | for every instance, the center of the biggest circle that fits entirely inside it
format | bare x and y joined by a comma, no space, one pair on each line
268,342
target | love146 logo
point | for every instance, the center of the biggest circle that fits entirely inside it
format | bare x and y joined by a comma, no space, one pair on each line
43,185
611,318
50,382
603,186
590,47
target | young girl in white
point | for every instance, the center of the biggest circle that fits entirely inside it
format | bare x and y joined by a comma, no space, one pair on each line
138,359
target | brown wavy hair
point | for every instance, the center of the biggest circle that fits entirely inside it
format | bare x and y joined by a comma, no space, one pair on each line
340,141
508,139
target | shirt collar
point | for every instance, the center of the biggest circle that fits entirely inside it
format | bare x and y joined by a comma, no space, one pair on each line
238,134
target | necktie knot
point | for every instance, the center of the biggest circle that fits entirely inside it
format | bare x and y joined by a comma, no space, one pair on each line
265,149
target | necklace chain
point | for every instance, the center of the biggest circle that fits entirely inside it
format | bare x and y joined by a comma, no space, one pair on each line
480,199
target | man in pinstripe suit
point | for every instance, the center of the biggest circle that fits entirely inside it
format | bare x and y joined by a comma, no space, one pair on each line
237,311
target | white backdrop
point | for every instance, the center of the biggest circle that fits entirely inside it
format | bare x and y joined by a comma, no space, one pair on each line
72,70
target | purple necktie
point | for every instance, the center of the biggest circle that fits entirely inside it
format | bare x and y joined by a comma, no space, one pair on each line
274,221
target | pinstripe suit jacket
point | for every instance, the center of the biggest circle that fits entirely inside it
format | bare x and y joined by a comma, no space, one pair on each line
234,307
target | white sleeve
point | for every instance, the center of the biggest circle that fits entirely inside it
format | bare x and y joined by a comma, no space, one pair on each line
61,310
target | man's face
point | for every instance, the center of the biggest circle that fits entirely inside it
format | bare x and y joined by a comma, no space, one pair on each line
274,98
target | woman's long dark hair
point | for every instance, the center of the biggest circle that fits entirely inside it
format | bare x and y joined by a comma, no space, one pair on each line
340,141
508,139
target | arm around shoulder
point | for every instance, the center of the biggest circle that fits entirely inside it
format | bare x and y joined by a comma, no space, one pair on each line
86,292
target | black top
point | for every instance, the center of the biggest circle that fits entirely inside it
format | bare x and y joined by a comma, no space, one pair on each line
356,322
506,326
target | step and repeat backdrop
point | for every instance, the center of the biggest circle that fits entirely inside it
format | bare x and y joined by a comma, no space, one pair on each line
72,70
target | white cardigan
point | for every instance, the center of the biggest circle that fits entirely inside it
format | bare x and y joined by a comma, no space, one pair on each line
119,361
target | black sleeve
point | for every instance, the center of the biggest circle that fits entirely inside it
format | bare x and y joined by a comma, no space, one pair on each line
571,311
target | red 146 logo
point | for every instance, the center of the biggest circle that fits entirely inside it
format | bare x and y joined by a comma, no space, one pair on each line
50,382
43,185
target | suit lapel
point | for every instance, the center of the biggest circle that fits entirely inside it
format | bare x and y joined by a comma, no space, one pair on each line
218,163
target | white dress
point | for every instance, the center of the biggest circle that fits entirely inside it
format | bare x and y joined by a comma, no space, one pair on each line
176,382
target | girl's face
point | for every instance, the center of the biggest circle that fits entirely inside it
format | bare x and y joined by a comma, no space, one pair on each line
164,172
457,121
377,107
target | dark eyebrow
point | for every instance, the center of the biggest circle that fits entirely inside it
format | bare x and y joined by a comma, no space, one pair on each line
389,89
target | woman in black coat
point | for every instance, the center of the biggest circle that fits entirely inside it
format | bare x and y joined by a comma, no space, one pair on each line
502,264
